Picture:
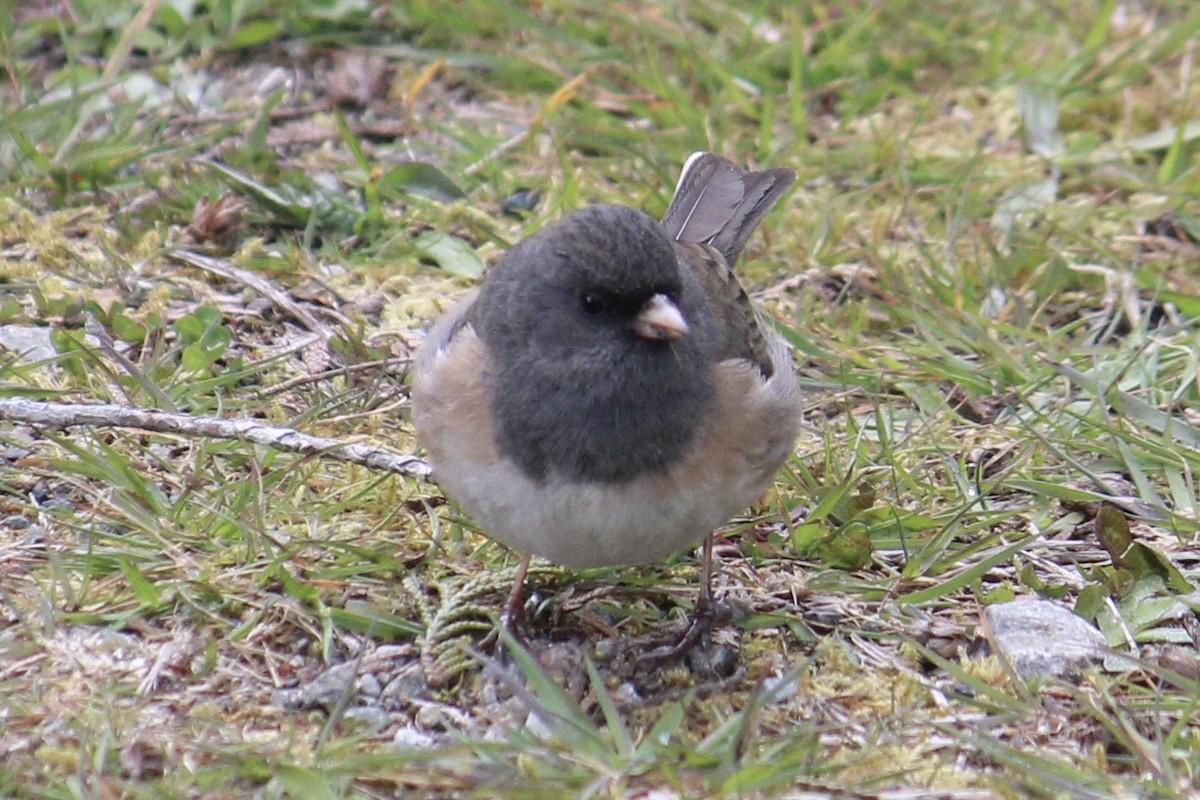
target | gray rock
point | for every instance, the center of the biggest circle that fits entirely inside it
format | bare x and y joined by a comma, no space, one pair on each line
324,690
1041,638
366,718
406,685
15,453
368,686
410,738
31,344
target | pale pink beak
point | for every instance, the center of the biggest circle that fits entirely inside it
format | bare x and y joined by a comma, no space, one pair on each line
660,320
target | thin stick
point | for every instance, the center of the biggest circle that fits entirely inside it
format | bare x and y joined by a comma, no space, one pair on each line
64,415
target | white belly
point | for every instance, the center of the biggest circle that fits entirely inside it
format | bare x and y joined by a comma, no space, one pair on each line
588,525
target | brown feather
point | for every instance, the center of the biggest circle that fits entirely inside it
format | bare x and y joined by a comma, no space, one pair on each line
730,306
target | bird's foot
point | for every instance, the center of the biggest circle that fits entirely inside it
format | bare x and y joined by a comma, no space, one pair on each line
686,646
512,616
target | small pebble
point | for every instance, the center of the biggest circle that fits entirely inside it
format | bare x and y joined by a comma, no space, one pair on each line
368,686
14,453
725,660
780,688
520,202
409,738
430,718
59,504
368,718
538,727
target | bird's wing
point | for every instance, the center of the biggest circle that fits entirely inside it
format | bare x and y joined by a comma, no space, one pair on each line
738,323
443,331
717,206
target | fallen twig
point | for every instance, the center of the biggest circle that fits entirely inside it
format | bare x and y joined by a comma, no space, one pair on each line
64,415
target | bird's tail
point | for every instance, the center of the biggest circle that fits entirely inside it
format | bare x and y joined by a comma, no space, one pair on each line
720,204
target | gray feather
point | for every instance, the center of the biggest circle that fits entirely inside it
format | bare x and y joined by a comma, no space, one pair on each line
720,204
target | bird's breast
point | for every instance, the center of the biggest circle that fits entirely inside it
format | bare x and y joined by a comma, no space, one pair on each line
607,423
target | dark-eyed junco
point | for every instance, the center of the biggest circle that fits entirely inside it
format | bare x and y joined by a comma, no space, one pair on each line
609,395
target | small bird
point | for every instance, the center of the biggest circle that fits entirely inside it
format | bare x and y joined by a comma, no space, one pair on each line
609,395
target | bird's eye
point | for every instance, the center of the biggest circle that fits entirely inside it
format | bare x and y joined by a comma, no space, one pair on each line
592,303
